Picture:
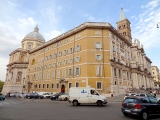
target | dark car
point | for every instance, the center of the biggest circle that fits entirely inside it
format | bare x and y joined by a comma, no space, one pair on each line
141,107
55,96
34,95
2,97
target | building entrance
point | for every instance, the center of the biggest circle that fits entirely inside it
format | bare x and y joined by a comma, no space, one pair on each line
62,88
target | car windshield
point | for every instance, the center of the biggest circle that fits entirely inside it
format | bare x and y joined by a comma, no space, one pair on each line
130,100
149,95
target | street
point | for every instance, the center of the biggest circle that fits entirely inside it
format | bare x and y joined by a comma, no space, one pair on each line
46,109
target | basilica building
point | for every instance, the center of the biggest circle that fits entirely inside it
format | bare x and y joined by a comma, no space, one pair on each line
92,54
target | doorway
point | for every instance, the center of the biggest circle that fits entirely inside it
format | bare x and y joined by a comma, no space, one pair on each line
63,88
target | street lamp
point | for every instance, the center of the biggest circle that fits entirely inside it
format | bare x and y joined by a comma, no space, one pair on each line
157,24
23,86
29,85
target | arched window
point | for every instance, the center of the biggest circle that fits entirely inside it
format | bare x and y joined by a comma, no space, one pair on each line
33,61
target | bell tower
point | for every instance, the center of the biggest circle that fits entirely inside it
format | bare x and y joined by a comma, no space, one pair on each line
123,26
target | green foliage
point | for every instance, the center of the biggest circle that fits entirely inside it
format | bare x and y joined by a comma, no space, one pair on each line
1,85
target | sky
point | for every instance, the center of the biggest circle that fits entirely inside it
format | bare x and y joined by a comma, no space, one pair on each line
54,17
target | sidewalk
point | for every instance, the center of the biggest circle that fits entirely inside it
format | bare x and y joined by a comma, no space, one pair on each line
119,98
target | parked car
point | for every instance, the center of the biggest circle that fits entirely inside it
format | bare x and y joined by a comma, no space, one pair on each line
2,97
158,98
141,107
64,97
144,95
22,95
34,95
13,94
128,95
55,96
47,95
140,95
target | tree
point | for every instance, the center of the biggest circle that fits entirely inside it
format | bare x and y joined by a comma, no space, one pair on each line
1,85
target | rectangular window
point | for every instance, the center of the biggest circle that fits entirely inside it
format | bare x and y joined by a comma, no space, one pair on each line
64,73
47,85
98,45
71,50
48,76
78,48
39,85
64,62
77,71
99,85
44,75
57,85
97,32
98,70
77,84
59,54
77,59
58,63
29,47
53,74
98,57
52,85
58,73
64,52
70,72
70,85
114,71
43,85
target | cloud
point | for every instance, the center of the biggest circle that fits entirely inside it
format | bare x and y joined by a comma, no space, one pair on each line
145,29
28,21
90,18
53,34
12,4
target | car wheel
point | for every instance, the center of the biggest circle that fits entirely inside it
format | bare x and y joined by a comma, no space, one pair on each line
3,98
65,99
75,103
144,115
28,97
125,114
99,103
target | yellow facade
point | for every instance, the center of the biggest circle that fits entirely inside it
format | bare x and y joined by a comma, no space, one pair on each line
84,39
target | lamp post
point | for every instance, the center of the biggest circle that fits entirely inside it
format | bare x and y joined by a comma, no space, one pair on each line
29,85
23,86
157,24
35,86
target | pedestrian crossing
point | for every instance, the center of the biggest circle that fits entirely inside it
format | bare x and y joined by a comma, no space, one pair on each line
6,103
9,102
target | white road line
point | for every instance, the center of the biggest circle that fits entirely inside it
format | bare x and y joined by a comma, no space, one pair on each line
5,102
13,103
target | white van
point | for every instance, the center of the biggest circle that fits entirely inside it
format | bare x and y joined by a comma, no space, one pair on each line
86,95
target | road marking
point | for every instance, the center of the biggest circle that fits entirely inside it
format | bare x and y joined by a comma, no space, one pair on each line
13,103
5,102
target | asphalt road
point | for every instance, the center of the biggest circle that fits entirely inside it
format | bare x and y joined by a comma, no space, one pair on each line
46,109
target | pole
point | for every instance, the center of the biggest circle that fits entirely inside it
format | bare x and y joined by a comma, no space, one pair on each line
23,85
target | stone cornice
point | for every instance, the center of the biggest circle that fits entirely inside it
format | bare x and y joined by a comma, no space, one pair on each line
100,25
31,39
10,64
19,50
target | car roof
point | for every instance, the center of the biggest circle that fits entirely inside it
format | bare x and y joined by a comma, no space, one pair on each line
136,97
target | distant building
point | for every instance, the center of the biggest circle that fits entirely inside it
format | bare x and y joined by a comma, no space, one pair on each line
156,76
92,54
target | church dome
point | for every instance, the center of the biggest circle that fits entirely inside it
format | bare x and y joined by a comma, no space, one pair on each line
35,35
